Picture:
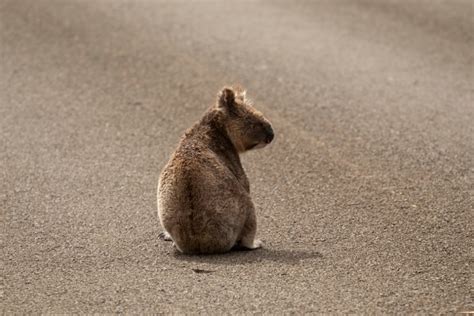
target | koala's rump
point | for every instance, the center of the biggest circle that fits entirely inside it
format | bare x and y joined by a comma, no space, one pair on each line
202,204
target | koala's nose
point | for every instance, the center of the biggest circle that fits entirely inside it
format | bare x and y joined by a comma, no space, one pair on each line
270,135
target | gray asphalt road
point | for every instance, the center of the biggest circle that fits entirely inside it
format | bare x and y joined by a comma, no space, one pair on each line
364,200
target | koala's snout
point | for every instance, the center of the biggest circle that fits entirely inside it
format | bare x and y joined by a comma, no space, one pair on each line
269,134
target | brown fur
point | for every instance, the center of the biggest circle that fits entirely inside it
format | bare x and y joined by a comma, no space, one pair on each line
204,200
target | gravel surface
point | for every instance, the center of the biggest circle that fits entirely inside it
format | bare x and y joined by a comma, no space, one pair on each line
364,200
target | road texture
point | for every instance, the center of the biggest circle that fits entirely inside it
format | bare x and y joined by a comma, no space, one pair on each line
364,201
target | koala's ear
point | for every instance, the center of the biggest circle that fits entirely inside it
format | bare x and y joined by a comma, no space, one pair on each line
243,95
226,98
240,93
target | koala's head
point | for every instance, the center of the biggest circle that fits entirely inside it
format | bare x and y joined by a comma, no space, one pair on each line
246,127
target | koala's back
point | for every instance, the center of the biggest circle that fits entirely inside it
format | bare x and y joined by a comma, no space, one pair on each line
201,202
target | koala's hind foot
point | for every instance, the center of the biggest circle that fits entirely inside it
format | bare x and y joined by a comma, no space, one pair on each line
165,236
252,245
247,240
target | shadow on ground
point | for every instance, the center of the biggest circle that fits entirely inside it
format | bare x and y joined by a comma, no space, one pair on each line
285,256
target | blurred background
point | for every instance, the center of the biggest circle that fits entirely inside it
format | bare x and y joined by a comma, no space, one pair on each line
364,201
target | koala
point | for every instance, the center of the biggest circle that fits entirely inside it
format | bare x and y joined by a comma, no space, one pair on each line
204,202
